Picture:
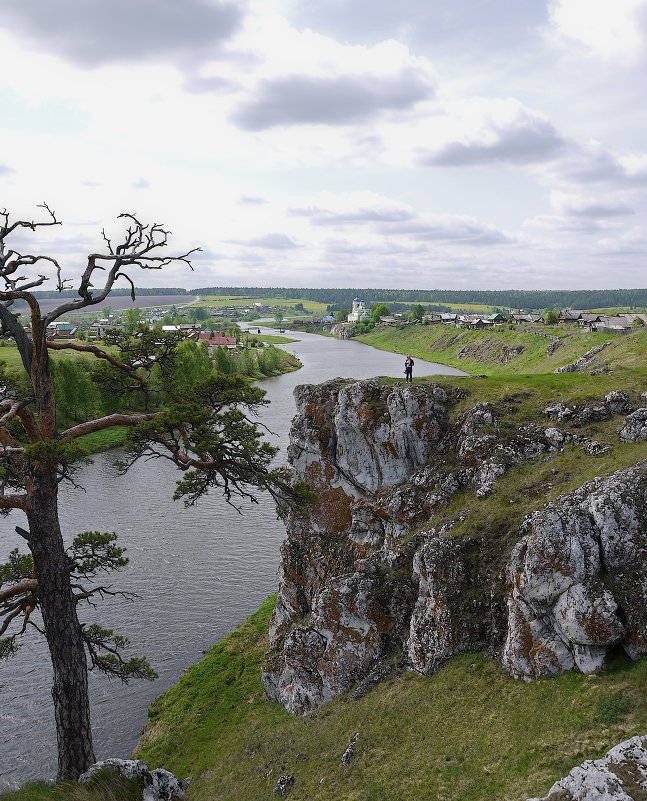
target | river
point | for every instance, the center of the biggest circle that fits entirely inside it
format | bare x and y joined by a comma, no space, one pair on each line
198,572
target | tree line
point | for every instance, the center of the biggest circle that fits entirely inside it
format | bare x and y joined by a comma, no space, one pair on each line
339,298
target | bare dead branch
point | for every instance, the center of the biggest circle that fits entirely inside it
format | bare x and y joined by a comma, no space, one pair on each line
28,585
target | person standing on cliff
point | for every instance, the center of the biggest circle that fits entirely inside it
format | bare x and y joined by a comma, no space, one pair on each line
408,369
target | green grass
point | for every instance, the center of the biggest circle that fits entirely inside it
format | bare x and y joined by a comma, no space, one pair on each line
105,440
468,733
275,339
490,352
103,787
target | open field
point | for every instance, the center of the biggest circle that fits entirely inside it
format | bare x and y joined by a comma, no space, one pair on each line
237,300
119,303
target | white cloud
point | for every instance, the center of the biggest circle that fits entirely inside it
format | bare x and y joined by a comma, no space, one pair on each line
614,31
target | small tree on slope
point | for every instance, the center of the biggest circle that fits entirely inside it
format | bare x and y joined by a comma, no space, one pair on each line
209,435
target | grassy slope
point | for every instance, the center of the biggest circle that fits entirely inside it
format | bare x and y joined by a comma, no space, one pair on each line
466,734
486,349
469,733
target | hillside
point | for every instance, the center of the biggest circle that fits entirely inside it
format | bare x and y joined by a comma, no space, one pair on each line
506,352
470,732
467,732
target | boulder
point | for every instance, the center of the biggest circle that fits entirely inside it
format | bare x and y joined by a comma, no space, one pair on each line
157,784
635,427
621,775
576,582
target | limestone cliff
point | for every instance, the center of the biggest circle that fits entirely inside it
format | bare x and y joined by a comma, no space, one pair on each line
370,582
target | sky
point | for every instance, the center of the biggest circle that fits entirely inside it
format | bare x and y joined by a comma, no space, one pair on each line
477,144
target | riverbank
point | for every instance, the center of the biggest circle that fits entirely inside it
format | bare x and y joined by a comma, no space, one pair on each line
509,352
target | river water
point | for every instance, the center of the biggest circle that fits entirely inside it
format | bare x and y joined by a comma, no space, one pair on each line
198,572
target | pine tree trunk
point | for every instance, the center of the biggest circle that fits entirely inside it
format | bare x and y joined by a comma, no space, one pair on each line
62,630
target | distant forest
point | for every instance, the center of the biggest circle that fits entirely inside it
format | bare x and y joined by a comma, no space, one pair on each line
503,298
342,298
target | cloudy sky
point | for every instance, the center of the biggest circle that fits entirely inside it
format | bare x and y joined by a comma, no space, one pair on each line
414,144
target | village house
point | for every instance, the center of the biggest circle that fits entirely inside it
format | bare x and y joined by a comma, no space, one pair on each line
569,316
218,339
61,330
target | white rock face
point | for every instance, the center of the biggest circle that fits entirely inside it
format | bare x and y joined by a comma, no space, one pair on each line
619,776
157,785
635,427
583,557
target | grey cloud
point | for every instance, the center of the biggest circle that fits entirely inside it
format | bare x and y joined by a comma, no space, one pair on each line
252,200
341,100
274,241
530,139
140,183
487,23
96,32
5,170
599,209
196,84
599,166
465,232
551,222
361,216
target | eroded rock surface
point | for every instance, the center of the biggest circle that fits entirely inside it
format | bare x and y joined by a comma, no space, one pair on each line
577,582
621,775
369,583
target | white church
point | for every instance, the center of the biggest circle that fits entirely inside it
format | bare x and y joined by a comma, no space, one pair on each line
360,313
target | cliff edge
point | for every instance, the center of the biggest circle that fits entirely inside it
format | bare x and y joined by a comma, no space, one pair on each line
377,578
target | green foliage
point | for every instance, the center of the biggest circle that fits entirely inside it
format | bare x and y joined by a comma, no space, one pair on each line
551,317
191,363
78,397
341,315
56,452
417,312
278,316
381,310
502,299
132,318
222,361
613,708
105,653
18,567
92,551
198,314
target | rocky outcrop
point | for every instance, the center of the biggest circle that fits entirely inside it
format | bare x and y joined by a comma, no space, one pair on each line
635,427
584,362
157,784
619,776
577,582
369,582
